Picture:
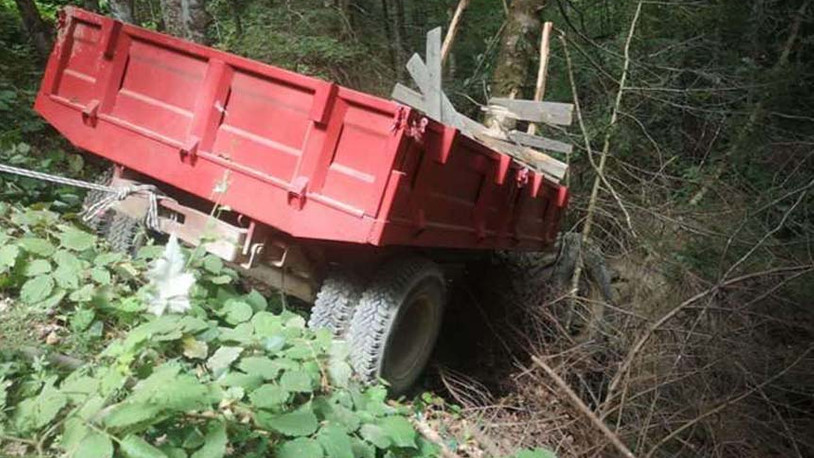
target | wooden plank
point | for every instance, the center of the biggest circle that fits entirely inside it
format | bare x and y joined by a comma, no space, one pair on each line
433,62
419,73
542,72
407,96
542,143
529,110
552,168
453,29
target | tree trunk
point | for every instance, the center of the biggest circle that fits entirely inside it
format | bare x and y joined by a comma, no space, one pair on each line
187,19
122,10
35,26
517,50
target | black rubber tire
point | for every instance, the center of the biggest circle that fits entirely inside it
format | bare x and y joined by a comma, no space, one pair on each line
125,234
400,311
336,300
99,223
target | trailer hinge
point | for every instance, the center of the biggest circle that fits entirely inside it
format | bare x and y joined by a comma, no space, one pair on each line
417,129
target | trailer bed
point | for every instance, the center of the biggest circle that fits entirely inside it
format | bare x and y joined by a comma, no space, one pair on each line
301,155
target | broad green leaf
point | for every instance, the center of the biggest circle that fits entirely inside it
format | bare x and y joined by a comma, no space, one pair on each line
81,319
339,372
256,300
195,349
67,277
76,240
128,414
269,396
173,452
221,280
267,324
236,312
344,416
37,267
37,246
100,275
242,333
399,430
261,366
536,453
83,294
37,289
167,388
273,344
213,264
335,441
95,444
297,381
68,260
133,446
73,432
246,381
362,449
51,301
34,413
375,435
302,447
8,256
302,422
105,259
214,442
222,359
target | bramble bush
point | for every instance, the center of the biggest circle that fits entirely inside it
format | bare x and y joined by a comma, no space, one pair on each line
230,376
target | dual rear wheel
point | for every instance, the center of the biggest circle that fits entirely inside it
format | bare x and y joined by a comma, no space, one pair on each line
390,325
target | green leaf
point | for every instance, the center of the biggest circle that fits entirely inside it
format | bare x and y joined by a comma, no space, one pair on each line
242,333
76,240
221,280
335,441
96,445
105,259
302,422
399,430
34,413
68,260
133,446
375,435
213,264
261,366
300,448
297,381
67,277
239,379
127,414
236,312
269,396
256,300
214,442
37,289
536,453
100,275
81,319
37,246
267,324
83,294
8,256
195,349
222,359
37,267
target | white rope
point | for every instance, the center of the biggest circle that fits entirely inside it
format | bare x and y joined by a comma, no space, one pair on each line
115,194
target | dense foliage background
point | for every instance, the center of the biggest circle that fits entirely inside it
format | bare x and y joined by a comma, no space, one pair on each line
703,211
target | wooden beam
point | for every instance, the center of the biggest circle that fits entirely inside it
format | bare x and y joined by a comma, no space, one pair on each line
407,96
542,143
550,167
542,72
529,110
453,29
433,62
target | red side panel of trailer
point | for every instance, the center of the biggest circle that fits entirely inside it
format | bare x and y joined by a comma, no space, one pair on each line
302,155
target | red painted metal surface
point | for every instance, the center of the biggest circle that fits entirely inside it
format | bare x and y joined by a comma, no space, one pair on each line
302,155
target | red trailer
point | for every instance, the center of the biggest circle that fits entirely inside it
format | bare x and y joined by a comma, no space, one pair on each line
340,198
